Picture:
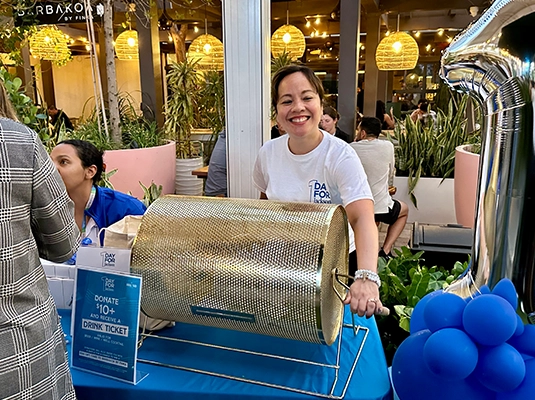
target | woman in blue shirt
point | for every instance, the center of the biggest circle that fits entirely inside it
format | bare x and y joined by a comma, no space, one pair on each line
81,164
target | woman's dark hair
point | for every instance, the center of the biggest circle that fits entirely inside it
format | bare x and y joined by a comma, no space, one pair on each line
89,155
371,125
380,110
331,112
292,69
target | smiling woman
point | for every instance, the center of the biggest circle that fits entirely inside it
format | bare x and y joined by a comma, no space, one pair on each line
310,165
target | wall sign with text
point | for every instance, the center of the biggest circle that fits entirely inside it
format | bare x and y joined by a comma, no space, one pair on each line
42,13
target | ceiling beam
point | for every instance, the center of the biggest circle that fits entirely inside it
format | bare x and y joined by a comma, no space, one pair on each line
370,6
398,6
415,23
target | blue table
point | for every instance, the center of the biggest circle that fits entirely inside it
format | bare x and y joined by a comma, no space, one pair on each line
370,380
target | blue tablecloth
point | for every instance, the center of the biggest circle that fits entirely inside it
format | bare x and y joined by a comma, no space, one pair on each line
370,380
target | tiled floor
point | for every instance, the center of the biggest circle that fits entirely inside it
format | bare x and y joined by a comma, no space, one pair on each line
402,240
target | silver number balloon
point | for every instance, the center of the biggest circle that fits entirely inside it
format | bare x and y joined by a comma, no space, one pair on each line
494,61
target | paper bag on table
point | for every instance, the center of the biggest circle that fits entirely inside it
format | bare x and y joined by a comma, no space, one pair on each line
121,235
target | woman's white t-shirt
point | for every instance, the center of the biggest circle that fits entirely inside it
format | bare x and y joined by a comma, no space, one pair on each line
331,173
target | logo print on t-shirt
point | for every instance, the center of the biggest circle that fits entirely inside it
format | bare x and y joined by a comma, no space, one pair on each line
319,192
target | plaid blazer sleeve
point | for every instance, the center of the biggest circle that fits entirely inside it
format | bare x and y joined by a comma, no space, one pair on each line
52,210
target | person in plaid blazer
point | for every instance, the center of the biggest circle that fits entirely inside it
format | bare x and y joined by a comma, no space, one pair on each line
36,219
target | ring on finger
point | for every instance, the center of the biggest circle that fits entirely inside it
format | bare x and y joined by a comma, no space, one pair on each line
373,300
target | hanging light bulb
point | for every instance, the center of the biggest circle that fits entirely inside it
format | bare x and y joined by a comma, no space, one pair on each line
287,38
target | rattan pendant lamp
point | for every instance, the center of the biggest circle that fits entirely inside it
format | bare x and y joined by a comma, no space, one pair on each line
49,43
398,51
288,39
207,50
126,44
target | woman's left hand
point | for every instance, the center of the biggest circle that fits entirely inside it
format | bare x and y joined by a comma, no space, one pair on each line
363,298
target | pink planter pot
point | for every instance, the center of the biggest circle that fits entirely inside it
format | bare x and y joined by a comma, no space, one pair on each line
147,165
465,185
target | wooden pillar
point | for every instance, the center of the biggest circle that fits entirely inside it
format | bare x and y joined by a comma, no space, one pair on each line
150,67
371,79
348,67
49,95
101,57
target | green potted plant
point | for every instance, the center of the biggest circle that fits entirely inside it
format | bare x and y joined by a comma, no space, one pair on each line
183,86
425,162
209,110
405,280
28,113
143,155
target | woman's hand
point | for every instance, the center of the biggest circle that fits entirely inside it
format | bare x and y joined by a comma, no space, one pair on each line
363,298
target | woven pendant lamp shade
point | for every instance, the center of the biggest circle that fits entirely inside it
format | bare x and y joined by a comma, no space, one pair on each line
126,45
288,39
398,51
207,50
49,43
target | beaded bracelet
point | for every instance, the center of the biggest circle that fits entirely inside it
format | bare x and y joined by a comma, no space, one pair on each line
367,274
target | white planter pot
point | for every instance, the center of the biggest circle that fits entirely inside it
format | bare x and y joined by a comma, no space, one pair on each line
435,200
185,182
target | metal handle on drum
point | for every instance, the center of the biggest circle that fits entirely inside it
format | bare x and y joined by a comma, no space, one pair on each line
336,277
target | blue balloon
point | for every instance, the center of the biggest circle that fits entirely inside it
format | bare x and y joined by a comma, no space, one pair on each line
445,311
506,290
414,381
525,343
500,368
482,290
450,354
489,319
417,317
526,388
519,326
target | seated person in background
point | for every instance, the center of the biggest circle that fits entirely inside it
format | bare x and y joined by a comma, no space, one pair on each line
80,164
387,120
276,131
216,180
328,123
423,113
377,158
57,117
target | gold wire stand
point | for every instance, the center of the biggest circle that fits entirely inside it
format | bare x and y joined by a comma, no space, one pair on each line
329,394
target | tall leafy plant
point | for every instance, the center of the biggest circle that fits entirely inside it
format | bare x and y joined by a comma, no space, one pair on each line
182,83
428,149
210,104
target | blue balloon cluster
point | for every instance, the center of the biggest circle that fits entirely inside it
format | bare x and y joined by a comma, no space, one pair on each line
476,348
